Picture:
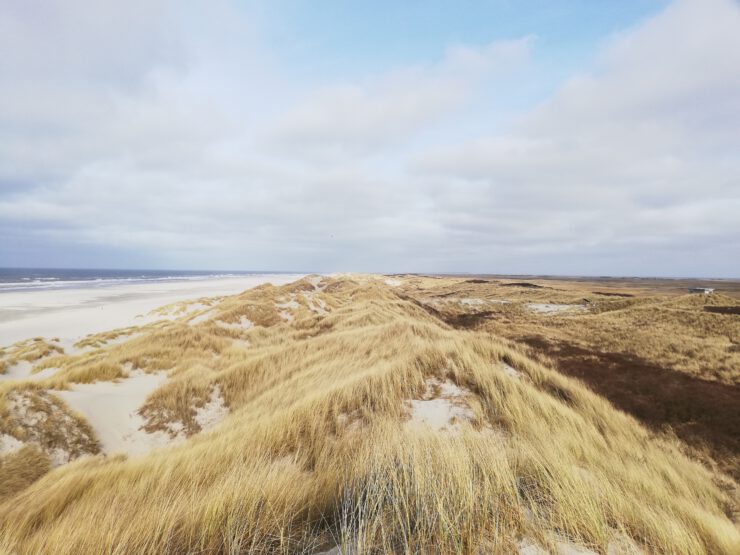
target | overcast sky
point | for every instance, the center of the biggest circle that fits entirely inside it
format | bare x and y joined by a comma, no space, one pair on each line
573,137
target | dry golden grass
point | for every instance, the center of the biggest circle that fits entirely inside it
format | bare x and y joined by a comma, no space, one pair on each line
317,451
669,358
31,414
657,325
30,350
97,340
20,469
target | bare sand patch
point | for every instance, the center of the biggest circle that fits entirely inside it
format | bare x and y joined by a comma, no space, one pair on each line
205,316
213,412
472,302
20,370
243,323
315,304
550,308
620,544
202,415
285,314
316,281
530,547
111,408
443,406
9,444
510,370
42,374
70,345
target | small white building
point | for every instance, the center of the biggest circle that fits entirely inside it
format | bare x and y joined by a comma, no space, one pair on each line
701,290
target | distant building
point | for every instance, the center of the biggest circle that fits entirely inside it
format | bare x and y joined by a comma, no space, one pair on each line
701,290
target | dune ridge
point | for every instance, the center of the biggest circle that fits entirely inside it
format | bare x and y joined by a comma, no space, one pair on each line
315,451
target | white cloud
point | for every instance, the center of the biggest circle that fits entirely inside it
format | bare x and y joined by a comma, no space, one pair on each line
156,138
646,145
384,109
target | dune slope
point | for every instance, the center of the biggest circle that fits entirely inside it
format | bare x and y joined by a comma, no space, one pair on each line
357,419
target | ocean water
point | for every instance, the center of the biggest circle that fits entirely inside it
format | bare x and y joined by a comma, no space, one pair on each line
30,279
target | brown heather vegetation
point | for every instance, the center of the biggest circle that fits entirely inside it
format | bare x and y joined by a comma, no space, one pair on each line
317,450
665,356
693,334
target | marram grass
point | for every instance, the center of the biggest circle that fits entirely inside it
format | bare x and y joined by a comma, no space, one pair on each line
317,452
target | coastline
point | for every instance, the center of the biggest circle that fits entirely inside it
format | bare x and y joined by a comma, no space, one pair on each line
72,313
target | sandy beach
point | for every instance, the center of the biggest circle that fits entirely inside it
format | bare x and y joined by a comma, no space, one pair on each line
72,313
65,314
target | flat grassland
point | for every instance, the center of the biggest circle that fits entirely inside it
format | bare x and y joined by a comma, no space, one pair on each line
376,414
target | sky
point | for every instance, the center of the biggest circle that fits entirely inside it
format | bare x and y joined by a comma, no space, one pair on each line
583,137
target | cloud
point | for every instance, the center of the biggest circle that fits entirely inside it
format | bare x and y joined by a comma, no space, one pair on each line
385,109
149,138
65,66
641,151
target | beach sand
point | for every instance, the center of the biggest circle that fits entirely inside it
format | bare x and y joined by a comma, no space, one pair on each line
66,315
111,408
70,314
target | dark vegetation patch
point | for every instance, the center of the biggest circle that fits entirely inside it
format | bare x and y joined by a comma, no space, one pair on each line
466,320
523,284
723,309
702,413
430,309
558,392
477,281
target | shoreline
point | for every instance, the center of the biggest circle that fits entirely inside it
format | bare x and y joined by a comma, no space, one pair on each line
74,312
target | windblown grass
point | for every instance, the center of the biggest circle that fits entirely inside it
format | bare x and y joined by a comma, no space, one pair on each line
317,450
20,469
37,417
30,350
664,328
669,358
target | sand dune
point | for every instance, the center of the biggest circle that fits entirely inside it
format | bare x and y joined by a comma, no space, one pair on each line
111,409
372,425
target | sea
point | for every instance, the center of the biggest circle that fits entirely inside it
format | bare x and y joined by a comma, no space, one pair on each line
31,279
